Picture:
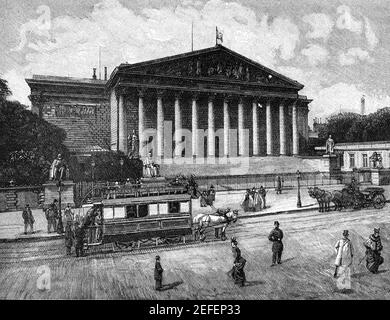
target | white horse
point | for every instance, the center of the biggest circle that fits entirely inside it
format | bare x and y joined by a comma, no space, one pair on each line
219,220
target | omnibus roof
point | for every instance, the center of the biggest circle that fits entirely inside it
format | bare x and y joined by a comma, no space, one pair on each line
146,200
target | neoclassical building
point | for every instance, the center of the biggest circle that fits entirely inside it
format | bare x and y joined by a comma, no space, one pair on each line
212,103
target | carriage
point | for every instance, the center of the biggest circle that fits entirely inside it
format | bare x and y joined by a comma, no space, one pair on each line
349,197
368,197
132,222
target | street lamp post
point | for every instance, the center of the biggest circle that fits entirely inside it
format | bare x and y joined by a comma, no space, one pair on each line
121,162
60,226
299,203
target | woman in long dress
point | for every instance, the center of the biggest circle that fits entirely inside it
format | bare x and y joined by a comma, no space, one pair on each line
258,203
247,203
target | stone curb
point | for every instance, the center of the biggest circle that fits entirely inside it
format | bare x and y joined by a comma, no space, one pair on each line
31,239
246,216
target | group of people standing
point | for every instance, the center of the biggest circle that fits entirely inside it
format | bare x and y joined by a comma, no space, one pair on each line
254,199
345,252
207,197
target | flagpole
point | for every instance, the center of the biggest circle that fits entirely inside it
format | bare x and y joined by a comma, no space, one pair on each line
192,36
216,35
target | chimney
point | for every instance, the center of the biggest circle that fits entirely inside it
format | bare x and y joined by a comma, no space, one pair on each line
105,73
363,105
94,74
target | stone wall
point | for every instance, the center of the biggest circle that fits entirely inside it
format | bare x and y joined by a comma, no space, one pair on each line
87,124
15,198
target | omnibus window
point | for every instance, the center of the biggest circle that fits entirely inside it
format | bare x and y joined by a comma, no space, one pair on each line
108,212
131,211
142,210
119,212
163,208
184,207
174,207
153,209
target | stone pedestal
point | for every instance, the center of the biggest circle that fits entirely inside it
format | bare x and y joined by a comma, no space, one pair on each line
154,182
330,163
67,193
380,177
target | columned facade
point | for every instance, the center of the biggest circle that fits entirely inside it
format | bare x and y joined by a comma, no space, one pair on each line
211,128
160,126
226,126
282,130
194,125
186,103
268,115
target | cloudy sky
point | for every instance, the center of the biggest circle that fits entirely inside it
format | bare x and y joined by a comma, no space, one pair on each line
338,49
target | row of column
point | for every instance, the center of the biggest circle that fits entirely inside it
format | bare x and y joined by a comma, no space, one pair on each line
226,126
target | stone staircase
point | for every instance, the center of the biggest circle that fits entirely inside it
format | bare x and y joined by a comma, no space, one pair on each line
240,166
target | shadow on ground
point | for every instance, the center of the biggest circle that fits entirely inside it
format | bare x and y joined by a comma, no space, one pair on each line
170,286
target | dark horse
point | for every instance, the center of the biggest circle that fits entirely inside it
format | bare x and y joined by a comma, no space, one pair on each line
324,198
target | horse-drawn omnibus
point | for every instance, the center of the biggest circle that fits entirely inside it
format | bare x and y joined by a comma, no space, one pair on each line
138,220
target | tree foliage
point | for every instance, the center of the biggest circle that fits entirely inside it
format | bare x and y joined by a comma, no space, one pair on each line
28,145
353,127
4,89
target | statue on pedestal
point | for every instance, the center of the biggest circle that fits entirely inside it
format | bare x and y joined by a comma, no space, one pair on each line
330,145
133,148
151,169
376,161
58,169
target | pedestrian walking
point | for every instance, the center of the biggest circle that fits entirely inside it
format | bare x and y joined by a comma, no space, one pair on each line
263,194
79,239
69,238
276,237
55,214
158,274
344,255
28,219
279,185
373,251
68,215
49,213
237,272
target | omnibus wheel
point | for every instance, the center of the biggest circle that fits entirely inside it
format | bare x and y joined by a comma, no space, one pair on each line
379,201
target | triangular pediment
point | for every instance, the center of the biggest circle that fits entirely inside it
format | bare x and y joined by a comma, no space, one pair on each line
217,62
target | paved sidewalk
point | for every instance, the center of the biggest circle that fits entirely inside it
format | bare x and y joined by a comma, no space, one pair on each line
12,228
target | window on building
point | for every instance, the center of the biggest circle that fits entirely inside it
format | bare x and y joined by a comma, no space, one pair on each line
352,160
341,157
131,211
143,210
365,160
174,207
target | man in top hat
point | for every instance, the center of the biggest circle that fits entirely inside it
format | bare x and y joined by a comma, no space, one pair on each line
344,253
373,251
79,236
158,274
28,219
276,236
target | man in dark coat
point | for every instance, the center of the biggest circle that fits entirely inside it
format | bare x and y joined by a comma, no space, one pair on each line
279,185
237,272
158,274
373,251
79,239
69,237
276,237
28,219
55,214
